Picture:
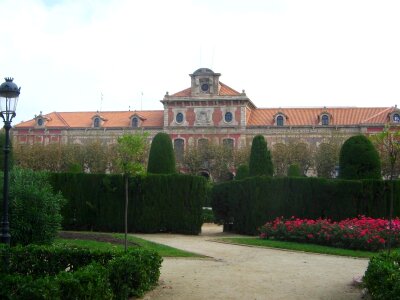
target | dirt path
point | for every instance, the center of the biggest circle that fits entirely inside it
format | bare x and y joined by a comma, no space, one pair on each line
239,272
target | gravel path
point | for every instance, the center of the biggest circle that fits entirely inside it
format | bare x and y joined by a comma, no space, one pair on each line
240,272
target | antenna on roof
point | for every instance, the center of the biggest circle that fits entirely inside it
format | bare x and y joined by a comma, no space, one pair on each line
141,98
212,58
101,100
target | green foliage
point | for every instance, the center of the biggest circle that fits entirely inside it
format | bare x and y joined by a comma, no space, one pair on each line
34,211
131,151
242,172
382,278
208,216
359,159
156,202
260,158
251,202
294,171
162,156
326,159
76,273
134,275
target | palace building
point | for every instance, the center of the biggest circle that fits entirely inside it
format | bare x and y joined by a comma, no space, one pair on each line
207,111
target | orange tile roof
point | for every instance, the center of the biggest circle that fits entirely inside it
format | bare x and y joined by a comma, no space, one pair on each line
223,91
309,116
112,119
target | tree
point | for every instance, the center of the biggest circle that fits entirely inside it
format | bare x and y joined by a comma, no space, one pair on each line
260,158
161,157
299,153
131,150
388,142
294,171
359,159
326,159
280,158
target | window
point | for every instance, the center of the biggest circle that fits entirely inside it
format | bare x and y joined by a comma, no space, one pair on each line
40,122
179,146
325,120
279,121
228,144
396,118
135,122
179,118
228,117
202,144
96,123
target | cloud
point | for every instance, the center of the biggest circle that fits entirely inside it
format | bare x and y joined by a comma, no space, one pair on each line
64,54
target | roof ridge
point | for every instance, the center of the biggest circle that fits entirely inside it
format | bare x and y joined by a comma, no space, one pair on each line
377,114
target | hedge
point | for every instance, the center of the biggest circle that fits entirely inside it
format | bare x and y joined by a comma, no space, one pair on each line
157,203
247,204
50,272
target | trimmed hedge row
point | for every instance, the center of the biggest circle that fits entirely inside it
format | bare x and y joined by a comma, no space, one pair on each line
50,272
170,203
247,204
382,278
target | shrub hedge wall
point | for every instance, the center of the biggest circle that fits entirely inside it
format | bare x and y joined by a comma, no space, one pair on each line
171,203
251,202
50,272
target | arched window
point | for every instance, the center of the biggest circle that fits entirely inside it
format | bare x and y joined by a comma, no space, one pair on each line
135,122
179,147
228,144
202,144
325,120
396,118
279,121
96,122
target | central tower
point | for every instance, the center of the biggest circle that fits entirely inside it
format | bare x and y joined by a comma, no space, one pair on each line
205,82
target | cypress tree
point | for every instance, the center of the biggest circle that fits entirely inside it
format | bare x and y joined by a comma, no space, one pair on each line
162,156
260,158
359,159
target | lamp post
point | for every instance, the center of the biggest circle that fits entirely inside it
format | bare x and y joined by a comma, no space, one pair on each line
9,93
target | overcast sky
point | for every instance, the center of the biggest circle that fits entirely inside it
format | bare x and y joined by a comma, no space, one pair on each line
66,54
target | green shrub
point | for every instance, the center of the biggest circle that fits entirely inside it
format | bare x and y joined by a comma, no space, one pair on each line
162,156
294,171
260,158
34,208
359,159
242,172
208,216
133,275
89,282
49,272
382,278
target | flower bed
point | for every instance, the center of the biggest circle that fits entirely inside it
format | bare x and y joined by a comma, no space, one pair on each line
362,233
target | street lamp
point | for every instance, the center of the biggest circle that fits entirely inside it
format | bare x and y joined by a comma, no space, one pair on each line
9,93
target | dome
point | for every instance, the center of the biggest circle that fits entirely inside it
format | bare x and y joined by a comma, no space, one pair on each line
203,71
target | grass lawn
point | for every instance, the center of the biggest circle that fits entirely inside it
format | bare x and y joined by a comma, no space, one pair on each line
163,250
255,241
